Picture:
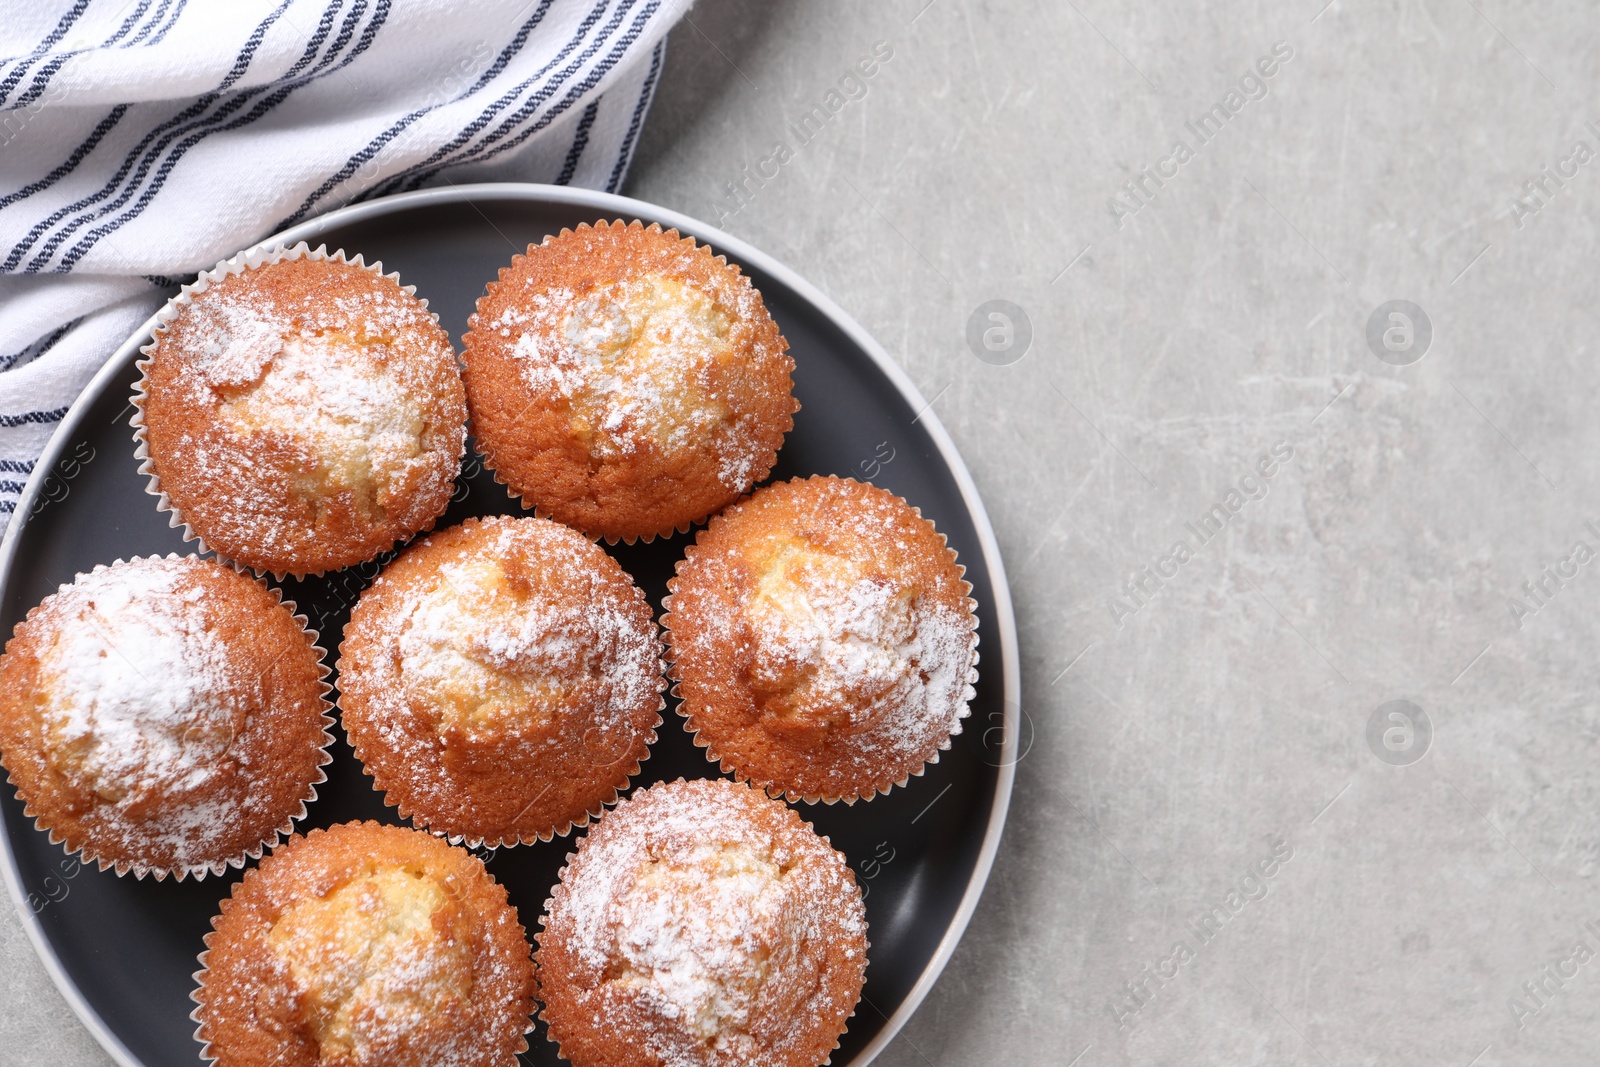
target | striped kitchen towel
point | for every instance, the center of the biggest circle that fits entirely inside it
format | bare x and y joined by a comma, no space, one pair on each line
142,141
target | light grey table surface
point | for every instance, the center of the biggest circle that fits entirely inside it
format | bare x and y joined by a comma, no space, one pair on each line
1194,721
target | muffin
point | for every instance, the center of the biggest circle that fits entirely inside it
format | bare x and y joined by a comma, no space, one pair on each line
701,924
822,640
300,413
164,716
501,680
625,381
365,946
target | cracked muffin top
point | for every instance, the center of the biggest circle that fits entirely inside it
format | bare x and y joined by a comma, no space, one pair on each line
625,381
366,946
302,415
164,716
702,924
501,680
822,640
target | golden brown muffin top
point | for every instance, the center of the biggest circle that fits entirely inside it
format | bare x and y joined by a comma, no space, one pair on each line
501,680
822,639
304,415
625,381
700,923
366,946
163,714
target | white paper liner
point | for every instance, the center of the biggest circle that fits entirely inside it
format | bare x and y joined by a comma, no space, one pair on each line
218,867
238,264
524,499
561,878
775,789
199,979
419,822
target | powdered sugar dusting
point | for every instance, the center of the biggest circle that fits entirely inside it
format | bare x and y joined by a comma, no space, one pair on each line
697,913
494,655
237,341
336,403
148,719
645,359
141,702
366,946
281,401
689,944
823,639
376,975
861,653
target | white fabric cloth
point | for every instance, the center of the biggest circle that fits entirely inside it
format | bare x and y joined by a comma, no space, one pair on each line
142,141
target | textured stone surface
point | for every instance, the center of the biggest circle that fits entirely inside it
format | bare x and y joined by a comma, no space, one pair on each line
1224,317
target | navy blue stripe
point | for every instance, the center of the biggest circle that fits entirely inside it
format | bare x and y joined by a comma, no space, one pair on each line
544,93
324,27
41,80
7,507
626,155
580,141
171,22
10,487
198,132
576,93
477,124
376,145
38,348
32,417
154,21
241,63
448,157
54,35
128,24
64,24
17,466
78,155
370,31
145,156
138,154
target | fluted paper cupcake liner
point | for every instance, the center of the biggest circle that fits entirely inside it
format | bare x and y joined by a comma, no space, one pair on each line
777,789
237,264
423,821
561,879
197,995
769,459
84,850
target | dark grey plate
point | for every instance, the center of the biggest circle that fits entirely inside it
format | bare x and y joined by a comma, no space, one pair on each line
123,951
